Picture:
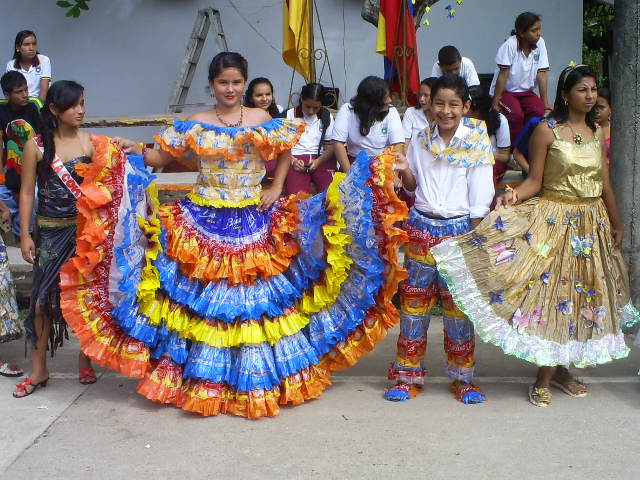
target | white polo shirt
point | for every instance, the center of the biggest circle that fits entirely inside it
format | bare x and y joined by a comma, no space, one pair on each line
522,69
346,129
308,143
467,71
502,137
413,121
36,71
447,190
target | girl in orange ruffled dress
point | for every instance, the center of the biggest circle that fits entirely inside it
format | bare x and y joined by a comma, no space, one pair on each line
232,300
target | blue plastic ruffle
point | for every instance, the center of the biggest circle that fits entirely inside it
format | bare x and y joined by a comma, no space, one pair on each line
183,126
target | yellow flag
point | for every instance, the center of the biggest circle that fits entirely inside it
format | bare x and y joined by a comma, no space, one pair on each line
296,36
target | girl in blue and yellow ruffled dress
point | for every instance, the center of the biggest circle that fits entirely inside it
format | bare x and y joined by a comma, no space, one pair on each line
545,280
232,300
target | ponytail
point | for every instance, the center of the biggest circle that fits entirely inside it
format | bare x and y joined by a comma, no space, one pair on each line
48,124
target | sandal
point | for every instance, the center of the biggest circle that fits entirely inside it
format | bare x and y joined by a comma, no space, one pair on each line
7,370
540,396
401,392
22,387
87,376
571,386
467,393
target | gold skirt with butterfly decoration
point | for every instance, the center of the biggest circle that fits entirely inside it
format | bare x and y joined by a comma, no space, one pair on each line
542,281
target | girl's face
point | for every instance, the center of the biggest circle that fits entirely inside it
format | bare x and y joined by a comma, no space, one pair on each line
602,110
582,96
73,116
448,109
424,98
310,107
28,48
228,87
533,34
387,102
262,96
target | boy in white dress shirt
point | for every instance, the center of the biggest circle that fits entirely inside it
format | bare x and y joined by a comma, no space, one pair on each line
449,167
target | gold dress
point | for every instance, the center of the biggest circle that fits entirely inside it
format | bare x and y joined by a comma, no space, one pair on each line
541,280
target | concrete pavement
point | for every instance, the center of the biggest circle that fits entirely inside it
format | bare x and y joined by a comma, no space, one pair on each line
108,431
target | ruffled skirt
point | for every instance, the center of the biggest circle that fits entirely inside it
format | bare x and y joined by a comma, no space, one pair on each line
543,282
9,324
231,310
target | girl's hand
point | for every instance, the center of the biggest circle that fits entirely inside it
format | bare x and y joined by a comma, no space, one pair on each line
127,146
506,199
269,197
298,165
401,163
28,249
618,235
315,163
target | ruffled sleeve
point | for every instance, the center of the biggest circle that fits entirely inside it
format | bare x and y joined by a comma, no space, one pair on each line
173,140
277,136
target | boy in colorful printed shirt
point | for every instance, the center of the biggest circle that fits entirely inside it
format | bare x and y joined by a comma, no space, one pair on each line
19,116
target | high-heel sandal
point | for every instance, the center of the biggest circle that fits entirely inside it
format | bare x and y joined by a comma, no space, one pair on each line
87,376
22,387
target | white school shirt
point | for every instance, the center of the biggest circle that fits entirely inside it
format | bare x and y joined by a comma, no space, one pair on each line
447,190
34,73
308,143
502,137
467,71
522,70
346,129
413,121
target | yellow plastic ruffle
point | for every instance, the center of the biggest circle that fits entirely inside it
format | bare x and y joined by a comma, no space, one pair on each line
218,203
324,294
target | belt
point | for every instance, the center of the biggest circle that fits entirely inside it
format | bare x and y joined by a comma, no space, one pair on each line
438,217
306,156
558,197
51,222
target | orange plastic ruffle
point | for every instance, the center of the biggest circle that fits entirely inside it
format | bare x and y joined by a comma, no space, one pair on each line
230,144
207,260
164,384
84,293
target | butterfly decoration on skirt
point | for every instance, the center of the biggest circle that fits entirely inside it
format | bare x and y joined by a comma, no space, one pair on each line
477,240
593,316
496,297
582,246
505,251
565,306
571,219
500,225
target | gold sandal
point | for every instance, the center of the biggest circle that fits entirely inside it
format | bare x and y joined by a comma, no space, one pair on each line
572,387
540,396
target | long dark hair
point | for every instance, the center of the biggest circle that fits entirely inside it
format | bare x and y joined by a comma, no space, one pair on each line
248,96
315,91
368,103
481,103
22,34
569,77
524,22
62,94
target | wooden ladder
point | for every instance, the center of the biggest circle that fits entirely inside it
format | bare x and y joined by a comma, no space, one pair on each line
207,19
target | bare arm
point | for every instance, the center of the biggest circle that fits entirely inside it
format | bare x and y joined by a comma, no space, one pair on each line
327,153
538,147
153,157
502,155
272,194
341,155
499,89
521,160
44,88
542,79
30,158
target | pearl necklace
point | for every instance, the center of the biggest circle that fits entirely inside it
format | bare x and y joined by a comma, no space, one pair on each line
223,122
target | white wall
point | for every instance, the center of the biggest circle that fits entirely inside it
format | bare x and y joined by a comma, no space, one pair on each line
127,52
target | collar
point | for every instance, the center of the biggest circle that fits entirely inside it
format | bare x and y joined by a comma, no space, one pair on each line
520,44
34,63
469,147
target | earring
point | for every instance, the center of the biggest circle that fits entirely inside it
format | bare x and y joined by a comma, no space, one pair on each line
55,122
566,104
